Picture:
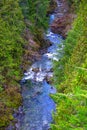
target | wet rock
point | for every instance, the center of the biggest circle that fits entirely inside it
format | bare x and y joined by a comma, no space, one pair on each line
51,70
35,70
49,79
63,25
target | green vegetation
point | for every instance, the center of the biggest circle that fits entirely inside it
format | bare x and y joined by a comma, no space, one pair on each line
11,50
13,44
70,72
35,12
74,3
71,77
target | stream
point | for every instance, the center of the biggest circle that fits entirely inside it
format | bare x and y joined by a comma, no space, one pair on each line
37,104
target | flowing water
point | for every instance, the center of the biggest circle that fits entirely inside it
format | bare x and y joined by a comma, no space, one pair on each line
36,113
37,104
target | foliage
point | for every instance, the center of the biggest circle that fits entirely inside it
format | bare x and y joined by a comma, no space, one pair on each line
70,77
36,12
13,46
11,42
11,50
74,3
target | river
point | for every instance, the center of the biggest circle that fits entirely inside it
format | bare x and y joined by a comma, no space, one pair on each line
37,104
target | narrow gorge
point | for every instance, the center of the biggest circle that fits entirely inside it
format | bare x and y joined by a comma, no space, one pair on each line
43,65
38,106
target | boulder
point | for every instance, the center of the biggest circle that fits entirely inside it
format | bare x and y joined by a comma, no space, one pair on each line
36,70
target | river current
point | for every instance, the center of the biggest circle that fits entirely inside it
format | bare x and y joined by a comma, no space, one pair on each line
37,104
